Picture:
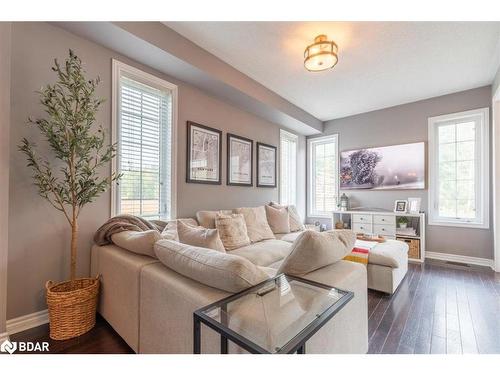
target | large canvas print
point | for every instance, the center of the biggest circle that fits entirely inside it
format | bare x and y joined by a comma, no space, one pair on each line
382,168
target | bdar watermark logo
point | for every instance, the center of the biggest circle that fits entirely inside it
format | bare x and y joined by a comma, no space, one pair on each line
8,347
20,346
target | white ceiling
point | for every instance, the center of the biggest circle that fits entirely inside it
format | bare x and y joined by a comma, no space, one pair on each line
381,64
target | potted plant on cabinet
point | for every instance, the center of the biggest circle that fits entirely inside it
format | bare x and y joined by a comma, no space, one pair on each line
68,127
403,222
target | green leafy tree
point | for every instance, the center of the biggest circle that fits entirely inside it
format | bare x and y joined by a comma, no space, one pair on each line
71,107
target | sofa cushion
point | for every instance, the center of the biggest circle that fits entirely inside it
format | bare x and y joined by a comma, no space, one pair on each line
295,221
264,253
210,267
199,236
391,253
313,250
207,218
170,230
256,221
232,231
137,242
288,237
278,219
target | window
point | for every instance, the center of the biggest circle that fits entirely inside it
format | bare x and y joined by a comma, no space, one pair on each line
459,170
323,175
143,127
288,168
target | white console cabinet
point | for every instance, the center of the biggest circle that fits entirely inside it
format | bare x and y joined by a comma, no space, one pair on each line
386,224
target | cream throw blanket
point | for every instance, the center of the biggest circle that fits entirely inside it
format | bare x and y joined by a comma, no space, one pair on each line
122,223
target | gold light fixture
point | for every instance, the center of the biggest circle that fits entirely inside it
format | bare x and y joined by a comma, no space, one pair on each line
321,55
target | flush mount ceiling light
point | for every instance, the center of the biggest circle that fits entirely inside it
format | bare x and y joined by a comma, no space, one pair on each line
320,55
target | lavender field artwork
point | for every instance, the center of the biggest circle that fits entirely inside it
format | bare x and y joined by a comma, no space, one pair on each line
382,168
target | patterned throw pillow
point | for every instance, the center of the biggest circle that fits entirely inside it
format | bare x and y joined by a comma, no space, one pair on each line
232,230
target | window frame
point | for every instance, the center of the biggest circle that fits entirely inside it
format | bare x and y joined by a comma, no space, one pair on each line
118,69
482,177
284,134
311,211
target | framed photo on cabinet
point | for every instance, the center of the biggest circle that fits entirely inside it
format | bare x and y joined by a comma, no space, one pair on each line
204,150
239,161
266,165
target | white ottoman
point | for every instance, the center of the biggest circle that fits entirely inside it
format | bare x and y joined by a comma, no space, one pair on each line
387,265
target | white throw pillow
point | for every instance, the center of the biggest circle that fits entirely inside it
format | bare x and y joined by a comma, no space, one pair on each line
207,218
137,242
219,270
170,230
278,219
313,250
295,221
258,228
199,236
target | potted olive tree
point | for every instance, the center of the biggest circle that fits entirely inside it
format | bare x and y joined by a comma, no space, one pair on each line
80,146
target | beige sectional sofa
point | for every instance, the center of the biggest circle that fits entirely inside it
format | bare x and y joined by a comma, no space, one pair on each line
151,306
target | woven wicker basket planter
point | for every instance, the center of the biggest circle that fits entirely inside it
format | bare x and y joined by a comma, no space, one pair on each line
72,307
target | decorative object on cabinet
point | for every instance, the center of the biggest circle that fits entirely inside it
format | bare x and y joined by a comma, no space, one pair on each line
204,150
266,165
402,222
239,160
383,168
344,202
385,224
414,205
400,206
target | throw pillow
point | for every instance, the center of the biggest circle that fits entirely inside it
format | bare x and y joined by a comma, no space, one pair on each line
207,218
295,220
199,236
313,250
137,242
232,231
224,271
170,230
258,228
278,219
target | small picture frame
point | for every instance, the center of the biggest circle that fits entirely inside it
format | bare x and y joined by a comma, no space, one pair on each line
266,165
414,205
400,206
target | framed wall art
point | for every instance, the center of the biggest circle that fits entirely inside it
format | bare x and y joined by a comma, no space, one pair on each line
239,161
266,165
383,168
204,150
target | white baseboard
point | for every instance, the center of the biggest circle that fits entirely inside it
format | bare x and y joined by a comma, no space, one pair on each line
25,322
461,259
4,336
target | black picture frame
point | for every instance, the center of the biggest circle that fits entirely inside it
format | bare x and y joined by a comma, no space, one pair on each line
189,179
228,160
275,169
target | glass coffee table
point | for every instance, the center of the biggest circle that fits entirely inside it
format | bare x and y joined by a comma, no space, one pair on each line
274,317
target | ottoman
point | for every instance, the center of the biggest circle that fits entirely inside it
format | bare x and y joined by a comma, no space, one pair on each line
387,265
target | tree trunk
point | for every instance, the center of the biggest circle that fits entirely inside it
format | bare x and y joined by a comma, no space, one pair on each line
74,240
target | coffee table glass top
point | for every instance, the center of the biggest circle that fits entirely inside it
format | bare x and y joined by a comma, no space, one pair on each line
279,310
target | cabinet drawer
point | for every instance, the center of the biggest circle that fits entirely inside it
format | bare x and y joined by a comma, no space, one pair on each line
362,227
384,219
384,230
359,218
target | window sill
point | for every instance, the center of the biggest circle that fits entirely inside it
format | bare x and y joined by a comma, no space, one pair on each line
458,224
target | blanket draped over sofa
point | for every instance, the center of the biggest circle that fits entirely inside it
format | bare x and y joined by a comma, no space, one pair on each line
123,223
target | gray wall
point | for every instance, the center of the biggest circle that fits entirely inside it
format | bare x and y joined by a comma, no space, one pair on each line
496,82
38,234
5,34
405,124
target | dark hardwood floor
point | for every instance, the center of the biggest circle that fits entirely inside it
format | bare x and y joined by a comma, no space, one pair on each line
437,309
